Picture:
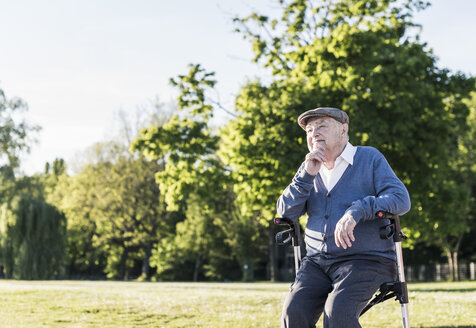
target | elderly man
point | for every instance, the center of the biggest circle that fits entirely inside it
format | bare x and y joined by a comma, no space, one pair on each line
340,187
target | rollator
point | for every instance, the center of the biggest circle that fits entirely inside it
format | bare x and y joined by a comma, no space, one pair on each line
397,289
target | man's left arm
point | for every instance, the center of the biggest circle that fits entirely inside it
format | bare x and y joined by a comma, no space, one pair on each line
391,195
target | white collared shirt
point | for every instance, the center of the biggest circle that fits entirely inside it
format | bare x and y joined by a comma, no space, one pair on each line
346,158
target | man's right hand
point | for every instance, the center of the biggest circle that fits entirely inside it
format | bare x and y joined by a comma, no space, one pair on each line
314,159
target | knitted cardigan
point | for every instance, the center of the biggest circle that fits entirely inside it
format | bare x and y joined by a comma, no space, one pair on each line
367,186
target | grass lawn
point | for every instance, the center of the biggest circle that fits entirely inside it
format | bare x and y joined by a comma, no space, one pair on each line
138,304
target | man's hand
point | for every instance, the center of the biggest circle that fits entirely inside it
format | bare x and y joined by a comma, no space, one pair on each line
344,232
315,158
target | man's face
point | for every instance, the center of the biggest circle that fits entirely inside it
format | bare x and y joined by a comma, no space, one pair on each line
325,131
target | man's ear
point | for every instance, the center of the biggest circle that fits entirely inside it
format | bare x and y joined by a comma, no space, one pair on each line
345,128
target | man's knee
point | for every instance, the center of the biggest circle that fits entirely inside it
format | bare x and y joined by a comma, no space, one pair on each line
297,314
293,310
341,318
343,313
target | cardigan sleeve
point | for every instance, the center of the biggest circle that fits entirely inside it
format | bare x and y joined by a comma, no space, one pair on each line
292,202
391,194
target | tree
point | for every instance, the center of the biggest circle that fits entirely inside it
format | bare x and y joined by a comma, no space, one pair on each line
131,211
463,188
114,212
38,240
194,181
15,136
74,196
362,57
33,233
261,149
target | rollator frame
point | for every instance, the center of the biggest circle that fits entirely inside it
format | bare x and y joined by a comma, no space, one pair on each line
397,289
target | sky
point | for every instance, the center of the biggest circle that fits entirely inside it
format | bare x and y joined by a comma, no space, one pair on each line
78,62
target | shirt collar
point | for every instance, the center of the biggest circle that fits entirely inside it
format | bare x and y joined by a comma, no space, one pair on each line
348,153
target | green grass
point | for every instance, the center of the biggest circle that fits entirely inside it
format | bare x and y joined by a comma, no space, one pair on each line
134,304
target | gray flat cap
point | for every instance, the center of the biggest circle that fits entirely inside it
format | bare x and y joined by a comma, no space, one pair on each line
336,113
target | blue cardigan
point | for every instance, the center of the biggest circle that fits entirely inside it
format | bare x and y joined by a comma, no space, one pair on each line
367,186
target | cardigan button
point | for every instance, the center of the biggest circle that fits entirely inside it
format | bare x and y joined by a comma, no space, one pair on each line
328,194
325,239
326,216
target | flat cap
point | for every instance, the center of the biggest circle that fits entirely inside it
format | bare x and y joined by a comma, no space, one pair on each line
336,113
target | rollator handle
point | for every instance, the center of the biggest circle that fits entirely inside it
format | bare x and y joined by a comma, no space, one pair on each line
284,237
291,234
392,229
385,215
282,221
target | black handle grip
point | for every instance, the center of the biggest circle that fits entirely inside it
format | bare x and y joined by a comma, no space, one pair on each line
284,237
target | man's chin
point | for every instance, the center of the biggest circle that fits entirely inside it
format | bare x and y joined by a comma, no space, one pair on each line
316,145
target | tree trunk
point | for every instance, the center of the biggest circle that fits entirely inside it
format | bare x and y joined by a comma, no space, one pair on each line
455,265
272,260
452,254
450,264
123,273
197,267
455,256
146,262
71,266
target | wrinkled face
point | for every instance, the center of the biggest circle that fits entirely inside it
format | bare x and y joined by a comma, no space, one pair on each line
325,131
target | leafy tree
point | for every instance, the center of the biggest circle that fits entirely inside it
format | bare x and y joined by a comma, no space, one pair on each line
193,180
33,233
114,212
38,239
363,57
464,170
76,198
15,137
33,238
197,249
131,211
261,149
452,218
185,145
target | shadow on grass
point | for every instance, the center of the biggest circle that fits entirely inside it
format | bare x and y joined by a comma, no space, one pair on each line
450,290
448,326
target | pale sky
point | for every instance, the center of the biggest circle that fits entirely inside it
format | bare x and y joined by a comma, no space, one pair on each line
77,62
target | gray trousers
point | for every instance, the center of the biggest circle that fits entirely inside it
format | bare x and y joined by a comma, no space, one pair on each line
339,288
